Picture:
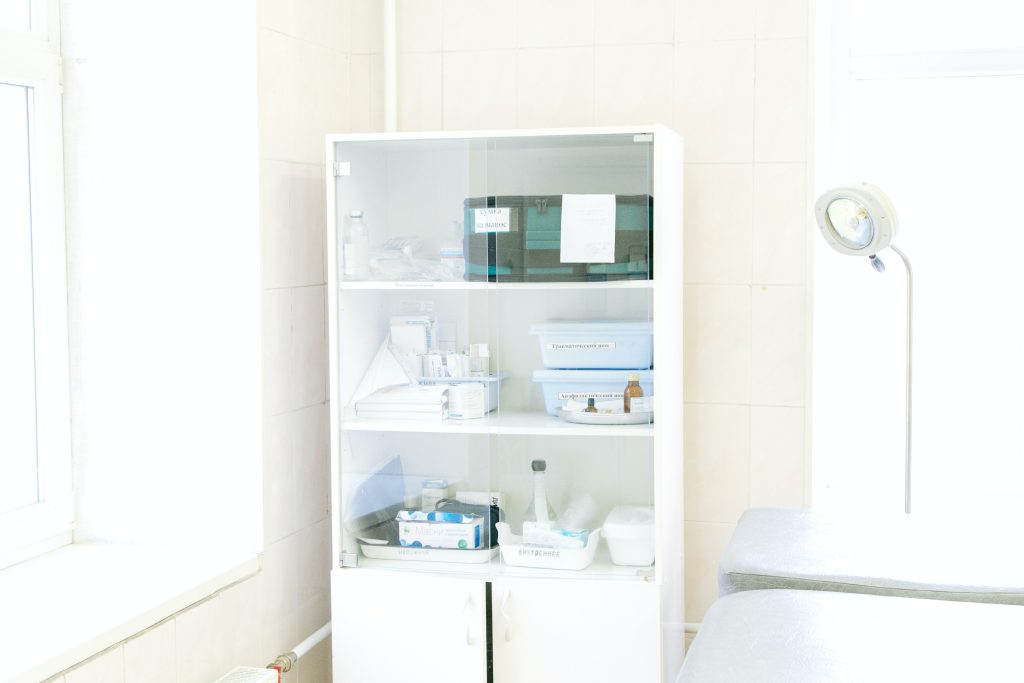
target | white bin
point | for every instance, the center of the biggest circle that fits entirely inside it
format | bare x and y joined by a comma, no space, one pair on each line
629,530
561,385
602,344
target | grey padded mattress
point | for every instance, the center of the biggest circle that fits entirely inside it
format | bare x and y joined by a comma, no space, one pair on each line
899,555
813,636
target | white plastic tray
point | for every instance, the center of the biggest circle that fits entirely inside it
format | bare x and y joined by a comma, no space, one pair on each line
607,418
514,552
401,552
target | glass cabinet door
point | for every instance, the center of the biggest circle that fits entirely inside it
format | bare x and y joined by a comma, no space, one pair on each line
487,292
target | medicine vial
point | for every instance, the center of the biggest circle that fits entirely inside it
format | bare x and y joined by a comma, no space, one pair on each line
357,248
434,491
633,390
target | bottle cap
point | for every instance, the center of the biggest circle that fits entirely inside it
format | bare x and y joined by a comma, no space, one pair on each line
538,465
633,377
435,484
356,214
590,402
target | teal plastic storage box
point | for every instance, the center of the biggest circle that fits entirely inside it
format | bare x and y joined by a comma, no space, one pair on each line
560,386
494,255
526,243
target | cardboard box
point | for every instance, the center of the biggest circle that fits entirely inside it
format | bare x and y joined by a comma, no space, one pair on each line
440,530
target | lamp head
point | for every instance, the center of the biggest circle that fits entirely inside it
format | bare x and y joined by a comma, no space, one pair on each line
856,219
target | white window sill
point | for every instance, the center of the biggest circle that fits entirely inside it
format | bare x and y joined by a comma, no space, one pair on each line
65,606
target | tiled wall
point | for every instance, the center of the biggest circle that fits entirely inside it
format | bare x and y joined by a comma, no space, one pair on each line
731,77
303,83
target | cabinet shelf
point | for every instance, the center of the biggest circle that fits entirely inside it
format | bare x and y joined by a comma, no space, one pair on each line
498,422
602,569
376,286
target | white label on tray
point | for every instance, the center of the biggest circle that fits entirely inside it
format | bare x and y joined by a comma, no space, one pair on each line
492,220
580,346
584,395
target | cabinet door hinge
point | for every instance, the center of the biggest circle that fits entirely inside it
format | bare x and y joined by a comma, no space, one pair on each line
342,168
643,137
349,560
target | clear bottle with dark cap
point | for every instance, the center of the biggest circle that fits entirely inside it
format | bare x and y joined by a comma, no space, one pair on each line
540,511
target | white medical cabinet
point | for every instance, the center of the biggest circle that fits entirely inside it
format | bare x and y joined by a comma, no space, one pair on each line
424,225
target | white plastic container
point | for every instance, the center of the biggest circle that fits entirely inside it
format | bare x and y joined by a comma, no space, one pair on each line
560,386
492,386
601,344
518,554
629,530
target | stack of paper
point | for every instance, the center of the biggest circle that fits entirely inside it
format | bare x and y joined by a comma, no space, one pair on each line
406,402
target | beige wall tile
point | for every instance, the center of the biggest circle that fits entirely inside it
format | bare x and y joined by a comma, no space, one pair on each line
717,461
781,101
783,224
336,90
717,223
716,358
241,609
313,578
150,657
418,25
294,348
339,25
565,23
714,20
705,543
778,345
782,18
292,218
633,84
315,666
420,101
777,464
278,477
367,26
366,83
199,637
555,87
480,90
634,22
279,594
311,455
714,100
478,24
292,98
306,20
107,668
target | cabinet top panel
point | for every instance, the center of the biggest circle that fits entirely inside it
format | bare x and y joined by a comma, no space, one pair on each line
657,129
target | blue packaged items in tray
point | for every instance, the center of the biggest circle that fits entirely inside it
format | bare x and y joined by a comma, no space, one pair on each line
452,530
519,239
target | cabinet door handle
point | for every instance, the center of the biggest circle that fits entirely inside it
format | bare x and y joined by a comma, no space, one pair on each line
467,616
505,616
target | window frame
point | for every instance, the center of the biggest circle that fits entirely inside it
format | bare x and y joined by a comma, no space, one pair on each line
32,59
837,72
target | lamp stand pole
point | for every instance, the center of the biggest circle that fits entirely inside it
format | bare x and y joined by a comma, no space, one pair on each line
910,373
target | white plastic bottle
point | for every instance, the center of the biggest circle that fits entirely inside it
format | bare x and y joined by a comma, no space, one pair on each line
357,248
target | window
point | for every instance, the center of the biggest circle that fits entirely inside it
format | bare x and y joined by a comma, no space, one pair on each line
924,101
35,459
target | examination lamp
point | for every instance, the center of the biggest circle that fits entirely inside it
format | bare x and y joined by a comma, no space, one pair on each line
859,220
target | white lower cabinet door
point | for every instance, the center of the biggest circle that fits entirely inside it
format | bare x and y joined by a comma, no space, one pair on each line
568,631
389,627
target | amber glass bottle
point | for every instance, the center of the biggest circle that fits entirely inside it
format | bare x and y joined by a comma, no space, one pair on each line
633,390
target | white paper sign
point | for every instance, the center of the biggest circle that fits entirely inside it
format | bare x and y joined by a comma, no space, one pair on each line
588,228
492,220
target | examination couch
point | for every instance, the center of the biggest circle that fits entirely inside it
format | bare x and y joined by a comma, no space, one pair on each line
810,596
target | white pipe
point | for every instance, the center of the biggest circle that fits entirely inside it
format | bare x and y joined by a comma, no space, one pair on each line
390,68
285,662
311,642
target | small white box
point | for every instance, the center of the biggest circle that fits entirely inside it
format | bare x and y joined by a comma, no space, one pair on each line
629,530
